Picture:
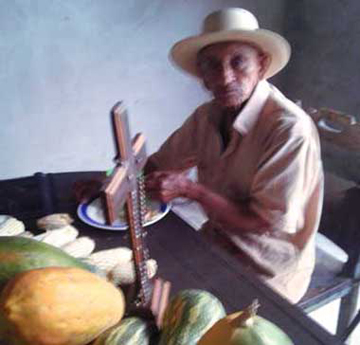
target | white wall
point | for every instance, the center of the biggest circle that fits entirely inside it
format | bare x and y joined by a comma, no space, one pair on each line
63,65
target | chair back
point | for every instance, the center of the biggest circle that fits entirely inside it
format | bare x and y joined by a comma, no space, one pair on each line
340,145
26,197
32,197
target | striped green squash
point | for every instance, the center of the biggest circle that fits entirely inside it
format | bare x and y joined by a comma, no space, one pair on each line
188,316
19,254
130,331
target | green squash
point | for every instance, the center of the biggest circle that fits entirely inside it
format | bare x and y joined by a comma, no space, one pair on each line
130,331
19,254
245,328
188,316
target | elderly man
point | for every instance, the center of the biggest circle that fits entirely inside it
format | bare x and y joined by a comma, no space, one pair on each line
260,176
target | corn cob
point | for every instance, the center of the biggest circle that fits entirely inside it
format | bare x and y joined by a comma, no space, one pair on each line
41,236
10,226
107,259
152,267
27,234
54,221
59,237
80,248
124,273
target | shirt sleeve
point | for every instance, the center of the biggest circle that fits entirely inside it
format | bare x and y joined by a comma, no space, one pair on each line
284,188
178,152
287,174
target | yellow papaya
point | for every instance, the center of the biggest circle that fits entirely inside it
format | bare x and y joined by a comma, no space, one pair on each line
58,306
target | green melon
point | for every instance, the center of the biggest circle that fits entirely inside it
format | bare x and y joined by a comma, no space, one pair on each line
245,328
188,316
19,254
130,331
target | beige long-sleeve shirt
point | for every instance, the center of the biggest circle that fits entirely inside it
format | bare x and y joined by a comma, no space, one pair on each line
273,163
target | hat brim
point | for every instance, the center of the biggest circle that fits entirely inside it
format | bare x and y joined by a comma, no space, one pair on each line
184,53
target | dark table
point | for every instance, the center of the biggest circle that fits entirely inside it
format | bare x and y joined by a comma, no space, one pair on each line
188,260
184,256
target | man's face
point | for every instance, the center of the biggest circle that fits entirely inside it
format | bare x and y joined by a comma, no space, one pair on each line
231,70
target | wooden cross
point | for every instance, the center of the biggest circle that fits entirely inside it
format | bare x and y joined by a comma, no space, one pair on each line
125,186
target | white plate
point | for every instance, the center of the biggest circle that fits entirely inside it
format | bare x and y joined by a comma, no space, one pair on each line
92,214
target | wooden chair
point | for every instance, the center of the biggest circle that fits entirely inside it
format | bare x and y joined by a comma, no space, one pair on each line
26,198
354,323
32,197
332,278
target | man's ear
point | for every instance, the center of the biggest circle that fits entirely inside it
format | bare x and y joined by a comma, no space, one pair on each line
264,61
201,74
205,84
203,80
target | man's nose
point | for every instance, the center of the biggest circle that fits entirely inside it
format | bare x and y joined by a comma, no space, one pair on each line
227,75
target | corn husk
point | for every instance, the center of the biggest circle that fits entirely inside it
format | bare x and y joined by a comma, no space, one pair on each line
59,237
109,258
27,234
10,226
54,221
124,273
80,248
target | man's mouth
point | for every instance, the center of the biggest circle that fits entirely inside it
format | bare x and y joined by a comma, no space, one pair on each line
227,92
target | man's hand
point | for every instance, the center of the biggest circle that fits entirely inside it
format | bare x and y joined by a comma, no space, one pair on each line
234,217
86,191
168,185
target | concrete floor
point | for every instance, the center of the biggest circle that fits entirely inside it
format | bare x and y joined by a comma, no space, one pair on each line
327,317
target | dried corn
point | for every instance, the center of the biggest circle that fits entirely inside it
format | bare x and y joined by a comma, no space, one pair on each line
152,267
54,221
10,226
80,248
27,234
124,273
59,237
107,259
41,236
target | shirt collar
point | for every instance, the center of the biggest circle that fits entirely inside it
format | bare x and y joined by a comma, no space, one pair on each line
249,115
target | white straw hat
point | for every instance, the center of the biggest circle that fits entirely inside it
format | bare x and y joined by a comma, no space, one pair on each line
232,24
